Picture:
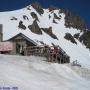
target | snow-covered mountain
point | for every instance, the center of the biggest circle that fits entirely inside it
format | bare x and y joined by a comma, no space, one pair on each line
49,26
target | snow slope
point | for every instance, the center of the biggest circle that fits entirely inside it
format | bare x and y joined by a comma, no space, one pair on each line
32,73
10,29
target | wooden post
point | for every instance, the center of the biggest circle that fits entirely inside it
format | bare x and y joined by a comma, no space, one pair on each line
56,57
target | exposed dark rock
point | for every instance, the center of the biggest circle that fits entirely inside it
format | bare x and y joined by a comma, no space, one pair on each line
51,8
60,16
13,18
28,8
38,7
76,35
54,21
42,42
25,17
21,25
35,28
34,16
68,36
56,17
73,20
61,11
49,32
52,12
49,16
85,38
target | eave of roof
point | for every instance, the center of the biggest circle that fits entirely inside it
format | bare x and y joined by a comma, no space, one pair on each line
24,36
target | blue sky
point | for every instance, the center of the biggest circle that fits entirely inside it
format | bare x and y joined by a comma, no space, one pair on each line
80,7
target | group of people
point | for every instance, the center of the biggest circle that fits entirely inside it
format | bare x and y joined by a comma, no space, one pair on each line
55,53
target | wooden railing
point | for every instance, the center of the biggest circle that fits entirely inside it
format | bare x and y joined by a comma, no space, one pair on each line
50,53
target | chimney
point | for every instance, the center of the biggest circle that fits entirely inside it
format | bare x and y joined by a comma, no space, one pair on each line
1,32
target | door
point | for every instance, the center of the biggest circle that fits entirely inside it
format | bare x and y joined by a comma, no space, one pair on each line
18,48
